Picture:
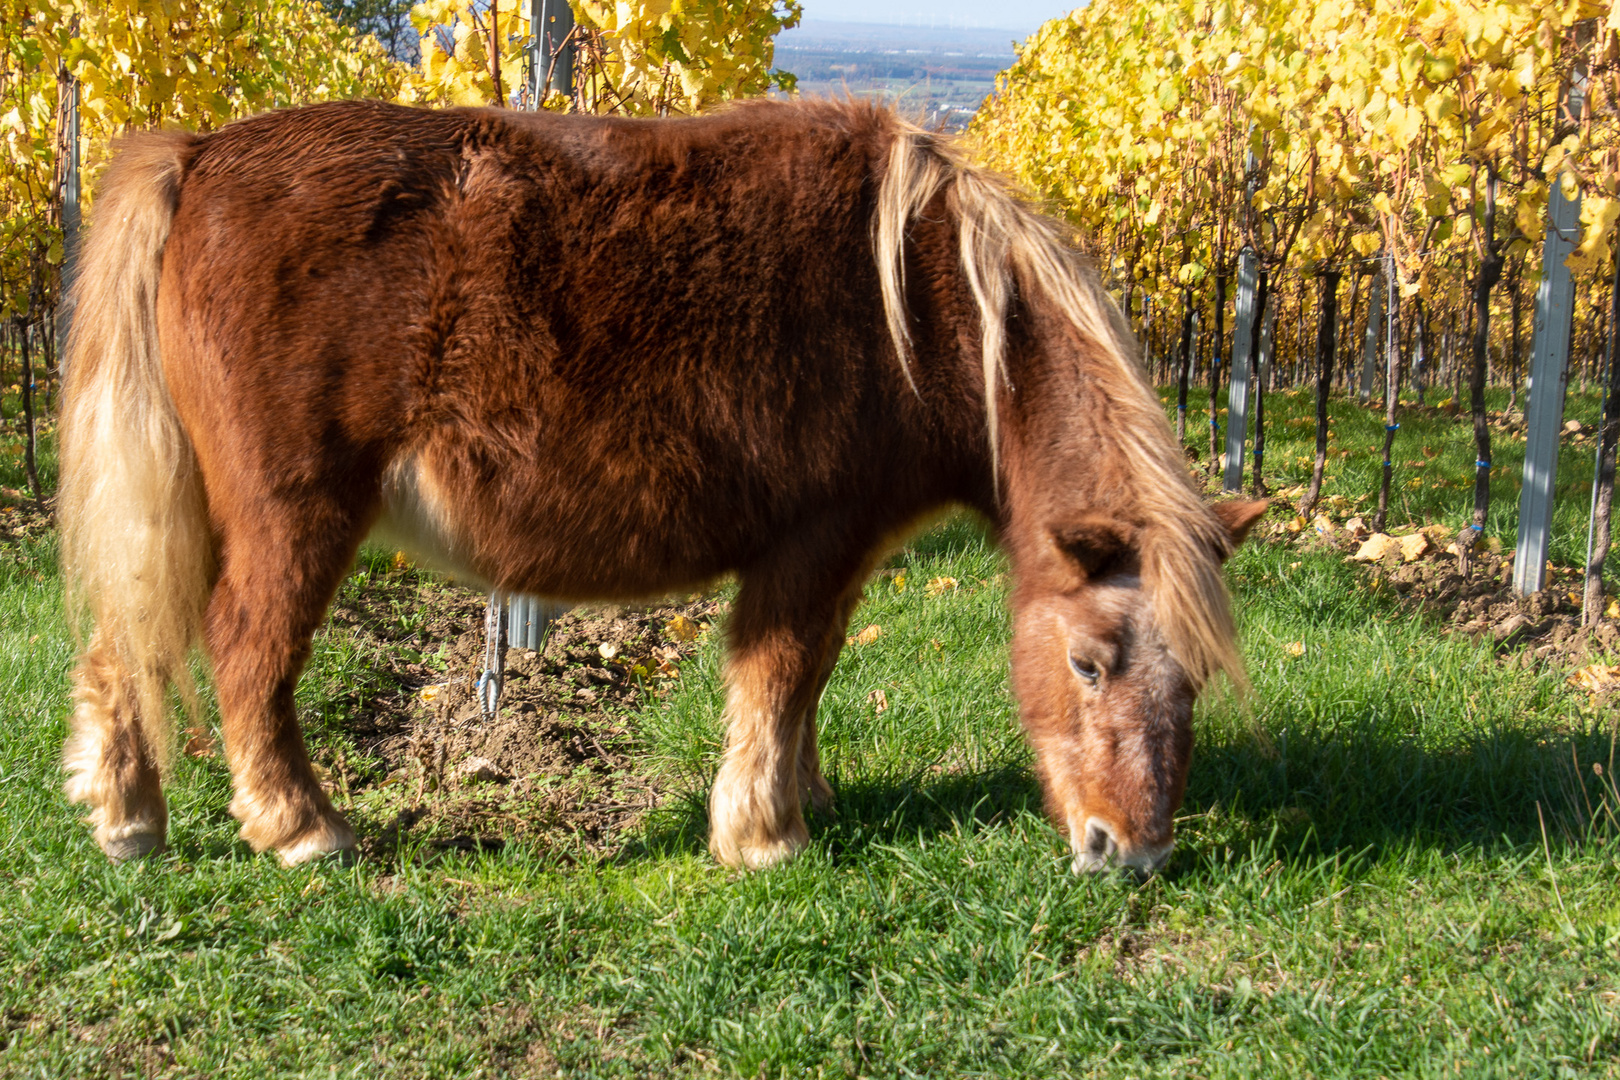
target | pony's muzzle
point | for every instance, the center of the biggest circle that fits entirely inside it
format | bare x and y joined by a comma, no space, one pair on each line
1098,850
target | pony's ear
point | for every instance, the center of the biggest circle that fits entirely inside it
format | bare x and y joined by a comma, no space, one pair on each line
1096,543
1238,516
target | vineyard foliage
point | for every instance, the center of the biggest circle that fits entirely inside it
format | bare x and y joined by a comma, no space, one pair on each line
143,64
641,58
196,64
1173,132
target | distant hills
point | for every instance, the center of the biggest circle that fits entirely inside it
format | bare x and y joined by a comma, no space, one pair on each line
941,75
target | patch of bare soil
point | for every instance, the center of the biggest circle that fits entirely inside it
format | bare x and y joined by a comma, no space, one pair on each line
559,764
22,519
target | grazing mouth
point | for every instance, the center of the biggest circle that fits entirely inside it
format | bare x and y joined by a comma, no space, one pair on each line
1099,851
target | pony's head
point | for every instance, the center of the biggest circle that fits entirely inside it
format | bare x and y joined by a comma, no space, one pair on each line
1121,612
1107,668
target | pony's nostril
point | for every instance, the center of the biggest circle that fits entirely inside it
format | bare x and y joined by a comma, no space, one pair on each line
1096,850
1100,840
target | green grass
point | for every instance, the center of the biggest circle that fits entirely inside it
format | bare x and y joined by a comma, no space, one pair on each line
1393,861
1441,488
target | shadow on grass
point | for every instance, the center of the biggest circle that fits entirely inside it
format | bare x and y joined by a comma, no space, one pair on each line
1348,789
1311,794
868,811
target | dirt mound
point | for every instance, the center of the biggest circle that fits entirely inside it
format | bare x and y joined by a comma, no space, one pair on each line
560,762
1422,567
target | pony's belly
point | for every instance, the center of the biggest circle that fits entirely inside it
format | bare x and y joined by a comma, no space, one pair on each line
419,517
416,519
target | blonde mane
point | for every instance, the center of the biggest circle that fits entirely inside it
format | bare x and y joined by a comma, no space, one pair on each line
1005,246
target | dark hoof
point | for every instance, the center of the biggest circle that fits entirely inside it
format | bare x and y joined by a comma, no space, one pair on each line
134,846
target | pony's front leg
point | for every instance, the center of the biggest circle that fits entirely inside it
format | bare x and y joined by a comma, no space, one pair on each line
782,653
267,605
109,765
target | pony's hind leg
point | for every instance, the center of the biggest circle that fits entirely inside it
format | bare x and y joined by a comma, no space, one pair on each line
813,787
110,767
783,648
277,577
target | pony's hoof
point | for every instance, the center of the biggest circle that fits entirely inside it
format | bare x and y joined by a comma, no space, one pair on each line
768,855
760,855
133,846
332,838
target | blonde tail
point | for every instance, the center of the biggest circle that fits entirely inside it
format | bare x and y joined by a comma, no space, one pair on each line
136,549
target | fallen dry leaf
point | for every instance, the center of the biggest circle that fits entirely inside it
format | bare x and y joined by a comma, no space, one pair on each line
1375,547
608,650
1295,648
878,698
865,637
1613,610
681,628
429,693
940,585
200,742
1439,535
1597,678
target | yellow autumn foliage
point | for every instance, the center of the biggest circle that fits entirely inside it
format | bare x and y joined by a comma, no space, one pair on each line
1173,132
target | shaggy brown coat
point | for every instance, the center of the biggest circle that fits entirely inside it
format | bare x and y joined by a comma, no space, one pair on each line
589,358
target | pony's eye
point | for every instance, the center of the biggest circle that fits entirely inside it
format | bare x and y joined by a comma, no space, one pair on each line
1085,670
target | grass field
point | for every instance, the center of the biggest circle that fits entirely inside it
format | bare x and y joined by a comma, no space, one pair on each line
1398,860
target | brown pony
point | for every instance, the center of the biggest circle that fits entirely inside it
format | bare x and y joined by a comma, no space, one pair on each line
600,358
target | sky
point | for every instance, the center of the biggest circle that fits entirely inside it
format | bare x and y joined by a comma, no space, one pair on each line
1020,15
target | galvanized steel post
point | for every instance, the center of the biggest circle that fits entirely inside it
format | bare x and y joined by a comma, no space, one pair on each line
529,619
70,223
1147,334
551,49
1375,315
516,620
1549,371
1237,397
